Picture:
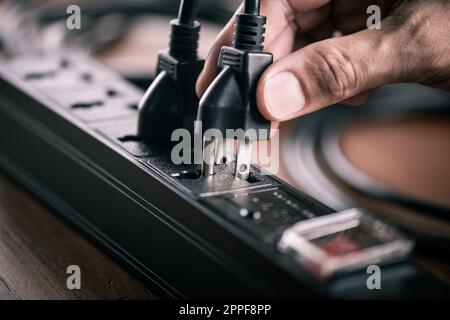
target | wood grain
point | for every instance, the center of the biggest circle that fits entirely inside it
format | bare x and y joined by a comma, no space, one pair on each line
36,248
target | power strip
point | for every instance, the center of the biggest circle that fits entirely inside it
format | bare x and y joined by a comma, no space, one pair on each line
68,132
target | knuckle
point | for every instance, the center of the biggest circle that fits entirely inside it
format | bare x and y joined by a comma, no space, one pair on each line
420,41
336,74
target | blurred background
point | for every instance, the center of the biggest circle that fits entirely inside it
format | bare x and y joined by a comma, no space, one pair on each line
126,35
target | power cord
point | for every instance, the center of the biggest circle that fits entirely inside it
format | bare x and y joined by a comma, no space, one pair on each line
171,102
230,101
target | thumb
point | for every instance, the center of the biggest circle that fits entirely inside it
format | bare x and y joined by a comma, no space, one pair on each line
328,72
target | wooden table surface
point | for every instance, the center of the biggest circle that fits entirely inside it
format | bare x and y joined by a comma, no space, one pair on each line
36,248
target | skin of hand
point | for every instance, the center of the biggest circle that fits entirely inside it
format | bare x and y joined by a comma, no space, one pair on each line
313,69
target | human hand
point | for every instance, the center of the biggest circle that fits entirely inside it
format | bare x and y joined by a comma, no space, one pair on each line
313,69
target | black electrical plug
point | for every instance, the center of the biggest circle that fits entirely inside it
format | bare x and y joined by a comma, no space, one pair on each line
230,101
171,102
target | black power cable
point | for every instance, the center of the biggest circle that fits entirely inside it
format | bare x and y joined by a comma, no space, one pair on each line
185,32
250,28
170,102
252,7
230,101
187,12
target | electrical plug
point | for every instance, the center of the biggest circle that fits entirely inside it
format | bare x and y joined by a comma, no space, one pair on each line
230,100
171,102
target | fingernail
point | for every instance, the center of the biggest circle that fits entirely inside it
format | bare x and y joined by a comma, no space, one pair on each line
283,95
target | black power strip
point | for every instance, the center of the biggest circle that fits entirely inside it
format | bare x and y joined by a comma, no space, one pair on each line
68,133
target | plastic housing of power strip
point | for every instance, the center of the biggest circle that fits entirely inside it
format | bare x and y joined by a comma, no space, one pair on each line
68,132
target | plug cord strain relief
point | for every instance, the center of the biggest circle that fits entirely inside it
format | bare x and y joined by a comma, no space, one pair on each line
184,40
249,32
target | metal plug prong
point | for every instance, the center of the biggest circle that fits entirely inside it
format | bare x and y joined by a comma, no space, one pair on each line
243,158
209,156
225,151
